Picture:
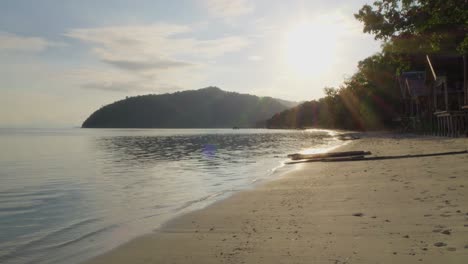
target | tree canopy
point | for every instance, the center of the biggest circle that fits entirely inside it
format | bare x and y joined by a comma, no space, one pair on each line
425,26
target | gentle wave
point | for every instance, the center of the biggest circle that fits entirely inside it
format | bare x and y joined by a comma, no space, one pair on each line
38,242
66,195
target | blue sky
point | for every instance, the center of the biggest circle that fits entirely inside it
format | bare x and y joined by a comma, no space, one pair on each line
61,60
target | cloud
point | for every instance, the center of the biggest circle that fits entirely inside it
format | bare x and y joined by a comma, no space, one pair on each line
157,42
111,86
129,87
133,82
255,58
149,57
146,65
13,42
229,8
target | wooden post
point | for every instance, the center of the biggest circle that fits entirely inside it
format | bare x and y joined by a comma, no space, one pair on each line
438,126
465,78
452,130
417,108
445,126
446,95
452,126
442,119
432,68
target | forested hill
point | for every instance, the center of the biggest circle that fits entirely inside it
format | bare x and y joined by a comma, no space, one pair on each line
204,108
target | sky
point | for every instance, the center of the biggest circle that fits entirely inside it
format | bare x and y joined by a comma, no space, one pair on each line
62,60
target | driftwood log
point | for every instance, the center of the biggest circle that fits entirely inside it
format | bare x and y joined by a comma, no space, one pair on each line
298,156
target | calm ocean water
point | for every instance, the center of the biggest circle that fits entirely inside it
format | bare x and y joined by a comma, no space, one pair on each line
67,195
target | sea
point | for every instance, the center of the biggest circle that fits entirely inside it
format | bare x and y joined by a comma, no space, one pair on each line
67,195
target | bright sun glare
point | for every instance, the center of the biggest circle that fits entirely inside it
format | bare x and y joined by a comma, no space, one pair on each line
311,47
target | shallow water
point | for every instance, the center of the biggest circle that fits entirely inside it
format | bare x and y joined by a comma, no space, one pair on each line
67,195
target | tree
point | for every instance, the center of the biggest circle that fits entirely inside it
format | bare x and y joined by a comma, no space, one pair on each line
428,25
420,27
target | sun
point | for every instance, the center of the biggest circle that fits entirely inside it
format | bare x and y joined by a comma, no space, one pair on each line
311,46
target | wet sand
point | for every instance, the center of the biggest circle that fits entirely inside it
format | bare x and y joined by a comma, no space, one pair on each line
406,210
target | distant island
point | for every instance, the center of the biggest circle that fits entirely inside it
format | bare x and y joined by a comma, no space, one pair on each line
209,107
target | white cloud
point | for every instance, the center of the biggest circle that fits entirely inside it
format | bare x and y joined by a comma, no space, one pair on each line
153,42
13,42
255,58
111,79
146,65
229,8
150,57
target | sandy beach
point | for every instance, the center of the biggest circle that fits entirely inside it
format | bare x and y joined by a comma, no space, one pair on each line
405,210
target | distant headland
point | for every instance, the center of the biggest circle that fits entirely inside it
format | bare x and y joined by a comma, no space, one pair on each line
209,107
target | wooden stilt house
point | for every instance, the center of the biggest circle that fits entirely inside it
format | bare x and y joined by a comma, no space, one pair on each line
448,95
416,96
435,97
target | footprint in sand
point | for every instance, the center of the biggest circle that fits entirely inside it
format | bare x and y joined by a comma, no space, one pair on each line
447,232
440,244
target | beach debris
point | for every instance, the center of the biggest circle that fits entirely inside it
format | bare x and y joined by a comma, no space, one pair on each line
440,244
447,232
348,136
299,156
358,214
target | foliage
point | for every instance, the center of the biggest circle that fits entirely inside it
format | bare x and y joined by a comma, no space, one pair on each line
423,26
204,108
368,100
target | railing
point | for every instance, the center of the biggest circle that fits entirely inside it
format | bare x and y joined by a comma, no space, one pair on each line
451,123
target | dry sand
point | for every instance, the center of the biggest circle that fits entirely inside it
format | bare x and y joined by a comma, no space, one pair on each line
410,210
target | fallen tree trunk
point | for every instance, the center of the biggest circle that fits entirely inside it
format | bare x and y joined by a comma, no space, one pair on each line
298,156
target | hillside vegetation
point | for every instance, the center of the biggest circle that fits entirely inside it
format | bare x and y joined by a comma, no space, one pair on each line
204,108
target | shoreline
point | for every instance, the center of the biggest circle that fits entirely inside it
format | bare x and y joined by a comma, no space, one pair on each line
304,219
275,173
